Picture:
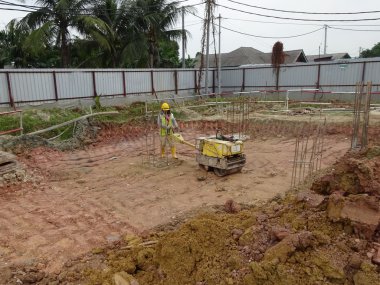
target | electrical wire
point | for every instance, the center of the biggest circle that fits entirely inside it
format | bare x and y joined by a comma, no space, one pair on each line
353,30
34,8
269,22
303,12
298,24
266,37
297,19
189,25
18,10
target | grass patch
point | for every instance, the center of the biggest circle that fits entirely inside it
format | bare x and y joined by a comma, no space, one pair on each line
34,120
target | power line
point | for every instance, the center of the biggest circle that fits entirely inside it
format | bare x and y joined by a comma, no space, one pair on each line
34,8
297,19
354,30
269,22
190,24
299,24
18,10
303,12
266,37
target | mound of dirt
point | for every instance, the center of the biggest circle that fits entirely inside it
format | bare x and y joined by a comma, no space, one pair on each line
323,237
85,133
352,189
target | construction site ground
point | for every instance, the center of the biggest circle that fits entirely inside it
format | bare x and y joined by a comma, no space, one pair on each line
84,199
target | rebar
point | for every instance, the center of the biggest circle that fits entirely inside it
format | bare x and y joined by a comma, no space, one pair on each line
308,156
360,123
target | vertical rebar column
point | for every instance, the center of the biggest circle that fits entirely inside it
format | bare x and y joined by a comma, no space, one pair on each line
357,115
367,105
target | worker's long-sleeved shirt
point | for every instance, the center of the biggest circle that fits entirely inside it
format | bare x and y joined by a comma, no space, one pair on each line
159,121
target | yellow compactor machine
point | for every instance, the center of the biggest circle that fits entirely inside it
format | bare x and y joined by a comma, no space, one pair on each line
223,155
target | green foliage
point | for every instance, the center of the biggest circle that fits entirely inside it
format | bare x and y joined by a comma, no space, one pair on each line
373,52
169,54
113,33
189,62
34,120
98,105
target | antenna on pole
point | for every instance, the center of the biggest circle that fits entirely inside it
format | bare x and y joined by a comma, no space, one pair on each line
208,44
183,38
220,57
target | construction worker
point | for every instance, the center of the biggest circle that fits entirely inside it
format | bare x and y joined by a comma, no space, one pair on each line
166,123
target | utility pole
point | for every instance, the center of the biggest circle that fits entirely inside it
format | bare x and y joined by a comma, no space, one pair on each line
208,43
325,49
183,38
220,58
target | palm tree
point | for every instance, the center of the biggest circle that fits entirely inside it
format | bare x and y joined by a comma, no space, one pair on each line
52,22
112,29
11,42
155,19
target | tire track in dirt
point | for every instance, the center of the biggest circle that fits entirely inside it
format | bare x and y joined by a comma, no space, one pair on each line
46,225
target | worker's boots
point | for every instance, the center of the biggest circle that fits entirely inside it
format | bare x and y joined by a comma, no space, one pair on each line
162,152
174,154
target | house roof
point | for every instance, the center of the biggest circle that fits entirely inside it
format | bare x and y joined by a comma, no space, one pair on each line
328,57
251,56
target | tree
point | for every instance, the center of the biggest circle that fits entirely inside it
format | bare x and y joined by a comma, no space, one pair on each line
112,29
14,51
373,52
52,22
169,54
278,58
11,40
155,19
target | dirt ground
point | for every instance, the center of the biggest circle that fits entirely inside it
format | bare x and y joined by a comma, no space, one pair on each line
86,199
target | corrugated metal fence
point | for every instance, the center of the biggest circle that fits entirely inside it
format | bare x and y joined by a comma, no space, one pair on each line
22,86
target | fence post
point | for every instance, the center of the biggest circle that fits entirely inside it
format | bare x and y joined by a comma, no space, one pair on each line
55,86
278,77
176,81
213,81
94,83
11,101
243,83
152,84
124,85
195,82
319,77
363,70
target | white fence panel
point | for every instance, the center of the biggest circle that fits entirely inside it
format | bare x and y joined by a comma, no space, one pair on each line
260,77
372,72
186,80
32,86
164,81
301,76
4,96
74,85
109,83
341,74
232,78
138,82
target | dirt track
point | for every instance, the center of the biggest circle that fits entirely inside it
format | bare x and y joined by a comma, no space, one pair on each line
88,198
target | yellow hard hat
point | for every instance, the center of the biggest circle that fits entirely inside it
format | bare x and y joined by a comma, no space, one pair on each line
165,107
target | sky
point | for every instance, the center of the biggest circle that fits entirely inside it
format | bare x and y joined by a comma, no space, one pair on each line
337,40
